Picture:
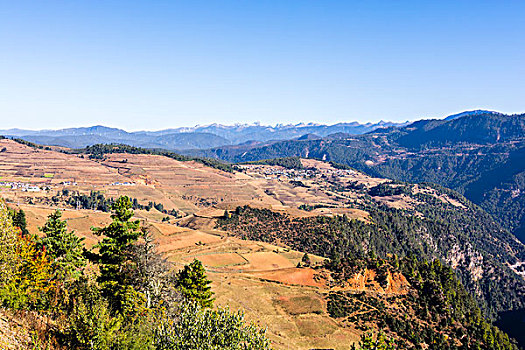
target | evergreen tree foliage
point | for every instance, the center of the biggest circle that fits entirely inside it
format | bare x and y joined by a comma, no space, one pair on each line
113,256
480,156
305,260
112,311
437,313
443,229
286,162
379,342
194,285
92,324
19,220
98,151
63,247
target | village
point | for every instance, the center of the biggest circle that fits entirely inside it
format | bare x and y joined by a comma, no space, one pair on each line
278,172
37,187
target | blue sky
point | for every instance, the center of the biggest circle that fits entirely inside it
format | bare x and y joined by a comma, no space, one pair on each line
160,64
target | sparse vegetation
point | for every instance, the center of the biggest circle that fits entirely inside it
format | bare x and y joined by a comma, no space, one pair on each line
439,226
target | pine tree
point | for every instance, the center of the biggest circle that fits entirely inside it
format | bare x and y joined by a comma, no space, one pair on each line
113,255
194,285
19,220
64,248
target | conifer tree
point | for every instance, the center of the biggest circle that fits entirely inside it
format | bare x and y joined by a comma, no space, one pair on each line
113,255
381,342
19,220
194,285
64,248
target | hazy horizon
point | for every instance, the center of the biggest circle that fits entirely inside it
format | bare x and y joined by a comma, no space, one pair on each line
247,124
149,66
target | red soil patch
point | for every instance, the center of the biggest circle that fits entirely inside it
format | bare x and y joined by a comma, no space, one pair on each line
296,276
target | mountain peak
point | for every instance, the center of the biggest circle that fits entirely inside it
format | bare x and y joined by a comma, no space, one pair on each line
471,113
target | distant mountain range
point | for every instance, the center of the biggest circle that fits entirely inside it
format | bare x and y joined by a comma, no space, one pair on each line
198,137
202,137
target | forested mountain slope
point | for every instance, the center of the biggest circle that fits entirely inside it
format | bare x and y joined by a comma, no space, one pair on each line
478,155
438,224
430,308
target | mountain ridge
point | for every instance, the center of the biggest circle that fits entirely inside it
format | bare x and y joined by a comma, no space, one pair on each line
211,135
202,136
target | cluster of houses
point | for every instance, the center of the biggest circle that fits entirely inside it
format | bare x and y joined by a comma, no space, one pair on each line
270,172
344,172
23,186
29,187
279,172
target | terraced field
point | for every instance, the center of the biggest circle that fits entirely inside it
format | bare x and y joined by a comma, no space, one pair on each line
188,187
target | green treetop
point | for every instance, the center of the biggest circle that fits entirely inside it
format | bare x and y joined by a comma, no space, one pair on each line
64,248
113,255
19,220
194,285
380,342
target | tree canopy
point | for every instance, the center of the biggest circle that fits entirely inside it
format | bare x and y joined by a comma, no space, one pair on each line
194,285
64,247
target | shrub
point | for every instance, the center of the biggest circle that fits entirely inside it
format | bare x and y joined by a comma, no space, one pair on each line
29,284
206,329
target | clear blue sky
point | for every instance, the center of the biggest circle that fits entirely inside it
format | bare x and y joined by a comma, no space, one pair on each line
159,64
